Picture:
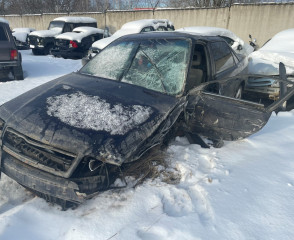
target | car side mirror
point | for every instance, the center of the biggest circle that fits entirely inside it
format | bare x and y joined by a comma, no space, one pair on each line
239,47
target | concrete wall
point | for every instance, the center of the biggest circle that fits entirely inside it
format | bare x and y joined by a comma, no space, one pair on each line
262,21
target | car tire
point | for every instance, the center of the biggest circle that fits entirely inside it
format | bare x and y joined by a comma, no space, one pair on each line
36,52
48,49
239,92
17,73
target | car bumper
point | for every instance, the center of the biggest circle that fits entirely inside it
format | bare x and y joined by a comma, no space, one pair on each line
46,183
36,46
67,53
22,46
7,64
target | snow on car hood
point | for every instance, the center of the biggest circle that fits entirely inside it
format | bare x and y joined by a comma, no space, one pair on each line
20,36
92,112
79,33
80,113
279,49
47,33
102,43
267,62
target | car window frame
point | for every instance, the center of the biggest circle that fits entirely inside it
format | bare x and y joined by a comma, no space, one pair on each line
213,62
183,91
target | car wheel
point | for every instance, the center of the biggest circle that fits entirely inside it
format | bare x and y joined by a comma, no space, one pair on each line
48,49
17,73
239,92
36,51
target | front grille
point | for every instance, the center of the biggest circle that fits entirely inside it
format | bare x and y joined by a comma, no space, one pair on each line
33,40
62,43
38,153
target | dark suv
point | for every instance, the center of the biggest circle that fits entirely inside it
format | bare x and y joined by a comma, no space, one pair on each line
42,42
10,58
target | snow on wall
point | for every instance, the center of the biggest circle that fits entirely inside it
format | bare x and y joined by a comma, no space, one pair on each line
76,19
92,112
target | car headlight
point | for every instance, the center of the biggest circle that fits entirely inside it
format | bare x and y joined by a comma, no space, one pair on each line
38,40
1,126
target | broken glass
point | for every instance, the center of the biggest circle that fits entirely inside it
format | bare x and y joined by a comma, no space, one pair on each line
157,64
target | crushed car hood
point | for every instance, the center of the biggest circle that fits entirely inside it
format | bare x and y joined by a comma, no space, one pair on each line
89,116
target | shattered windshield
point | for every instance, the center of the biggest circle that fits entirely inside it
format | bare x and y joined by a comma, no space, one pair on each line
158,64
56,24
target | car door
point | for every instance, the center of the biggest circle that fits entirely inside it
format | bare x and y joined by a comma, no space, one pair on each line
220,117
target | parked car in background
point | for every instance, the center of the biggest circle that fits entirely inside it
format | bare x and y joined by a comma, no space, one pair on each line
139,26
79,132
10,58
234,41
76,44
42,42
21,37
280,48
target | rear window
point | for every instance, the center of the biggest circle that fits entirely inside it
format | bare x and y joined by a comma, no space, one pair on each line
3,34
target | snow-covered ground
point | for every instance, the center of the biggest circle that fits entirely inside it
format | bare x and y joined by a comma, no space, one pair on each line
241,191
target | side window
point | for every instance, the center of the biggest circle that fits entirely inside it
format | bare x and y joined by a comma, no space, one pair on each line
68,27
147,29
198,68
3,34
93,25
98,36
161,28
222,55
228,40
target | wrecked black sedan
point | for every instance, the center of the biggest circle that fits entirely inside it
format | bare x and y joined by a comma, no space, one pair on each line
68,138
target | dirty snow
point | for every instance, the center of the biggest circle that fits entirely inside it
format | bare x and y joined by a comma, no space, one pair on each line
244,190
91,112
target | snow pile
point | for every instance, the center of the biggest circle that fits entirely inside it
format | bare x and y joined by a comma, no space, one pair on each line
91,112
